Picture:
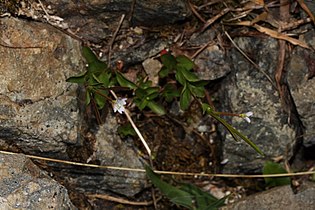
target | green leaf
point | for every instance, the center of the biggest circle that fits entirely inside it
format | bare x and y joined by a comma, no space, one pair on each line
170,92
168,61
164,72
100,99
96,80
202,199
104,78
152,96
126,130
80,79
190,76
175,195
185,98
275,168
140,93
149,93
87,97
113,82
145,84
197,91
186,195
180,77
124,82
151,90
95,66
185,62
235,133
142,103
200,83
88,54
157,108
92,80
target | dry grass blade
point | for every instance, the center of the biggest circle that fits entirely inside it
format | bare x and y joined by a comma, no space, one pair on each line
202,174
281,36
121,200
212,20
261,17
192,7
136,129
274,34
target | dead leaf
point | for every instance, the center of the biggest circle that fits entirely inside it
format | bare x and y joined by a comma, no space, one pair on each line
281,36
261,17
258,2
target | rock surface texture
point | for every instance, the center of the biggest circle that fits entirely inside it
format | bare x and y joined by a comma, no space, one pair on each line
97,20
38,108
248,89
281,198
24,186
39,111
42,114
301,77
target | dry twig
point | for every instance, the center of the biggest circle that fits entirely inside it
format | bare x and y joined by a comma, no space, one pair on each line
179,173
121,200
110,45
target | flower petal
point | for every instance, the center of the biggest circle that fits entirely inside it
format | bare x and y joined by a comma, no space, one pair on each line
248,114
119,105
247,119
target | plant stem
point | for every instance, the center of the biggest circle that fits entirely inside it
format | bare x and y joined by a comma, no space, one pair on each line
136,129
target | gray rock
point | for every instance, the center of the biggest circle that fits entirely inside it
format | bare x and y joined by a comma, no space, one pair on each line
137,54
212,63
301,72
38,107
160,12
247,89
95,19
110,150
24,186
280,198
39,111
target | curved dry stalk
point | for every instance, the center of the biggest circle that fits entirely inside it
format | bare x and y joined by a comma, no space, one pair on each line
310,172
135,128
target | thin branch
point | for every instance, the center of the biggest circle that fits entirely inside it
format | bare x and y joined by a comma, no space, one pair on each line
110,46
120,200
135,128
201,49
162,172
192,8
212,20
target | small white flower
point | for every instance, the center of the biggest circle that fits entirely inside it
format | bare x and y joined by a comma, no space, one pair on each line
119,105
246,116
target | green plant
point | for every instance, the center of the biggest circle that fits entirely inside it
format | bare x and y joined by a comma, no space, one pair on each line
182,85
186,195
275,168
99,80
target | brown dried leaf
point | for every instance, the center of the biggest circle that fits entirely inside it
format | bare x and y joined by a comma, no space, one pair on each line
281,36
258,2
261,17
